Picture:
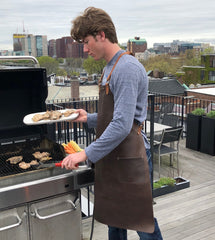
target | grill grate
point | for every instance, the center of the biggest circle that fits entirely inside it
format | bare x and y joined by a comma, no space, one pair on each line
26,149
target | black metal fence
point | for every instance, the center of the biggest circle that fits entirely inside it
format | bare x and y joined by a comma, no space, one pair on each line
79,132
158,106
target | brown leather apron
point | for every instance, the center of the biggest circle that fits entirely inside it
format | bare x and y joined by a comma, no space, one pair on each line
123,196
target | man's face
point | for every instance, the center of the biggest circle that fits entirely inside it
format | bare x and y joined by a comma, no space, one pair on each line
94,46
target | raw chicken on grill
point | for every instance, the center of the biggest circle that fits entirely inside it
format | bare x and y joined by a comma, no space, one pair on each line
15,160
44,156
24,165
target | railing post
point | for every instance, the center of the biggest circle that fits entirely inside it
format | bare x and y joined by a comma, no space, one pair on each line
152,97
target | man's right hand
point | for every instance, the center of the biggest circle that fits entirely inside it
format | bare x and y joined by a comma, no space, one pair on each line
82,117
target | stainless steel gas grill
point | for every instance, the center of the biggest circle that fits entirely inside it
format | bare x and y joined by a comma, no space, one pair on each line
35,204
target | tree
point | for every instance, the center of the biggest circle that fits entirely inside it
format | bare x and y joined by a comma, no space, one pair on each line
91,66
73,65
164,63
168,64
49,63
208,50
61,72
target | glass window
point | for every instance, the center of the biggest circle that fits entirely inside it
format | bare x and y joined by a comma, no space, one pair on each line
211,76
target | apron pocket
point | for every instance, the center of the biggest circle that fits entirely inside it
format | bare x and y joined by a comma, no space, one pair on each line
131,170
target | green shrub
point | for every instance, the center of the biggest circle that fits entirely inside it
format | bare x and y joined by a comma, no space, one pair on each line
164,181
211,114
198,111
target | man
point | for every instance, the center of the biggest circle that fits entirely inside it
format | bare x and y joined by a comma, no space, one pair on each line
123,198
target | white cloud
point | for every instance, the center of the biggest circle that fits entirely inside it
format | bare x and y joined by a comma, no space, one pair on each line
153,20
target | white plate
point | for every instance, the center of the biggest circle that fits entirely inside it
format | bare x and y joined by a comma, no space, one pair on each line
28,118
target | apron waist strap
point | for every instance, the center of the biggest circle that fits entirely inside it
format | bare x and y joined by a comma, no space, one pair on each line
139,125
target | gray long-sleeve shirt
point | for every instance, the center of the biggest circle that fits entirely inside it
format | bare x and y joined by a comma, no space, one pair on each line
129,85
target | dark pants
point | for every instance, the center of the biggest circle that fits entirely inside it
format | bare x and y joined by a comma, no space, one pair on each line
121,234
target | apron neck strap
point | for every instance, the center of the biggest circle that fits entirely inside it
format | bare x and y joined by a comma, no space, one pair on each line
109,76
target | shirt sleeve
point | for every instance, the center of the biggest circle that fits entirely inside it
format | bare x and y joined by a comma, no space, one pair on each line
92,120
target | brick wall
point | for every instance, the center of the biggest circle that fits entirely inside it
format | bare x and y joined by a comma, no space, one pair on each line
74,88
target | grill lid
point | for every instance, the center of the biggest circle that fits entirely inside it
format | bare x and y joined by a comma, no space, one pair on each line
22,91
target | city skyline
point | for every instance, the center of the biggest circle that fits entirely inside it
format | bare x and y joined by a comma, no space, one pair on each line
156,21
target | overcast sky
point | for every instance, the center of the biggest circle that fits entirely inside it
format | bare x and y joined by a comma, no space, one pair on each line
154,20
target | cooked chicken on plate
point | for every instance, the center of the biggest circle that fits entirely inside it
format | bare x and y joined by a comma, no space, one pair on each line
39,116
15,160
24,165
55,115
52,115
68,112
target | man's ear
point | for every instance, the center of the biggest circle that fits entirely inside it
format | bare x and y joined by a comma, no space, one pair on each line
101,35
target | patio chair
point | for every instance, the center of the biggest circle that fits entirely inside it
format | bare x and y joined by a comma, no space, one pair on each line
166,107
157,115
167,145
170,120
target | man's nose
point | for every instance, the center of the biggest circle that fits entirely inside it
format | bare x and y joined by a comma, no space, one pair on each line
85,48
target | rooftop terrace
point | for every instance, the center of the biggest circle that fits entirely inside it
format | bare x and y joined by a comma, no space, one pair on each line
187,214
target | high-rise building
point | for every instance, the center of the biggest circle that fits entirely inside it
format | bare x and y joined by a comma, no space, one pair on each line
52,48
30,45
136,45
62,46
66,47
76,50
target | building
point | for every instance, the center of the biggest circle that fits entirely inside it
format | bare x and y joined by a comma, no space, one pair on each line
136,45
52,48
62,49
208,61
41,45
144,55
186,46
203,74
166,86
203,92
5,53
66,47
161,48
76,50
30,45
174,47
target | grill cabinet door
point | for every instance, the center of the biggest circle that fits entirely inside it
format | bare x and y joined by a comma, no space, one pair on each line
56,218
14,224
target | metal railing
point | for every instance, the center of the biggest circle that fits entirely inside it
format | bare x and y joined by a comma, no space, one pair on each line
79,132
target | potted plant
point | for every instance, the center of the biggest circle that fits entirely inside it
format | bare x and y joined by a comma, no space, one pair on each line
208,133
167,185
193,138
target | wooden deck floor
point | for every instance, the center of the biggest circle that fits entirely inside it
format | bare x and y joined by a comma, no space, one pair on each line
188,214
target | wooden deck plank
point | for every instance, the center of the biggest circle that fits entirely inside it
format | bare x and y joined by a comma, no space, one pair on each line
186,219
